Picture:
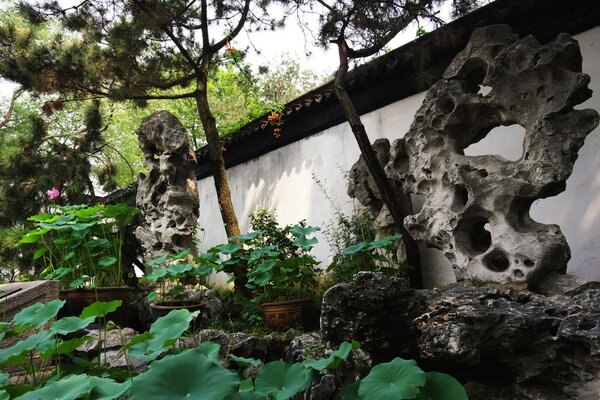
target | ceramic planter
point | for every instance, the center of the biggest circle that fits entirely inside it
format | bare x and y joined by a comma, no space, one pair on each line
161,309
78,299
287,314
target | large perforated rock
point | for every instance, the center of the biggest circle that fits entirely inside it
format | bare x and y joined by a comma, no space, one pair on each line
477,208
168,195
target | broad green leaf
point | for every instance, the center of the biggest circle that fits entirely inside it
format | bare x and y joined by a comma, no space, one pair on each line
176,269
70,324
38,314
305,243
281,381
350,392
40,252
299,231
229,248
247,385
163,333
107,261
41,217
157,261
156,275
245,237
440,386
152,296
99,309
246,395
70,387
181,255
98,243
107,389
14,353
188,375
76,283
33,236
384,242
244,362
66,347
334,360
354,249
397,379
210,350
58,273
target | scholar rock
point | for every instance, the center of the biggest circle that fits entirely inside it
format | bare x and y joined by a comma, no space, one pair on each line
477,207
168,195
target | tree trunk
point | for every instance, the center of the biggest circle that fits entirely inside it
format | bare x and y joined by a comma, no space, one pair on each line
217,165
388,194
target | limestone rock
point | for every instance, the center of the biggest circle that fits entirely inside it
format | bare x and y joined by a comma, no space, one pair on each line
266,348
168,195
504,343
374,310
477,207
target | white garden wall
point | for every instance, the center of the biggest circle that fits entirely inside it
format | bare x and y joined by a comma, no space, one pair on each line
282,180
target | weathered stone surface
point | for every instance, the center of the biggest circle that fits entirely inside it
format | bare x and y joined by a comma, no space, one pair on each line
168,195
375,310
477,207
505,343
241,344
211,307
109,349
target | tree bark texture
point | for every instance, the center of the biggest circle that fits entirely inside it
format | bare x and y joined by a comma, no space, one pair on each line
388,194
219,173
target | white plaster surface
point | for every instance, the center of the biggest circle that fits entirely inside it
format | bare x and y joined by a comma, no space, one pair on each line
282,180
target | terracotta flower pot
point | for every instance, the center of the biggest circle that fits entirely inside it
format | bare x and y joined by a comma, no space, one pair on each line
286,314
162,309
78,299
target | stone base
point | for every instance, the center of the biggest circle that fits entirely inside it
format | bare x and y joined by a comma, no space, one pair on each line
496,337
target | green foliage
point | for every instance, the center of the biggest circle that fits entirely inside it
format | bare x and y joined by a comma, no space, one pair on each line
398,379
176,278
189,374
162,334
38,314
81,246
197,373
280,381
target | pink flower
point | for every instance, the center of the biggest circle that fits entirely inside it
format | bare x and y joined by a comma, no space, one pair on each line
52,193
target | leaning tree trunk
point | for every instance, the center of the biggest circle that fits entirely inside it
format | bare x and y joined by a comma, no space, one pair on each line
217,165
388,194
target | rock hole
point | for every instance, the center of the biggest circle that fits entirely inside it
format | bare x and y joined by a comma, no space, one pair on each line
473,72
418,201
445,105
484,90
528,263
427,172
503,141
461,197
471,236
517,273
496,261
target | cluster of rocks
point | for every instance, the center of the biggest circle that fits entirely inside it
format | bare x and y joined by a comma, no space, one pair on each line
502,341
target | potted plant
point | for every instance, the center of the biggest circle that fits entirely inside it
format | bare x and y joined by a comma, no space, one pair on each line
284,275
179,282
82,246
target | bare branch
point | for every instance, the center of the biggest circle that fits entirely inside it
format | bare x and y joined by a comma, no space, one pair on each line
16,93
